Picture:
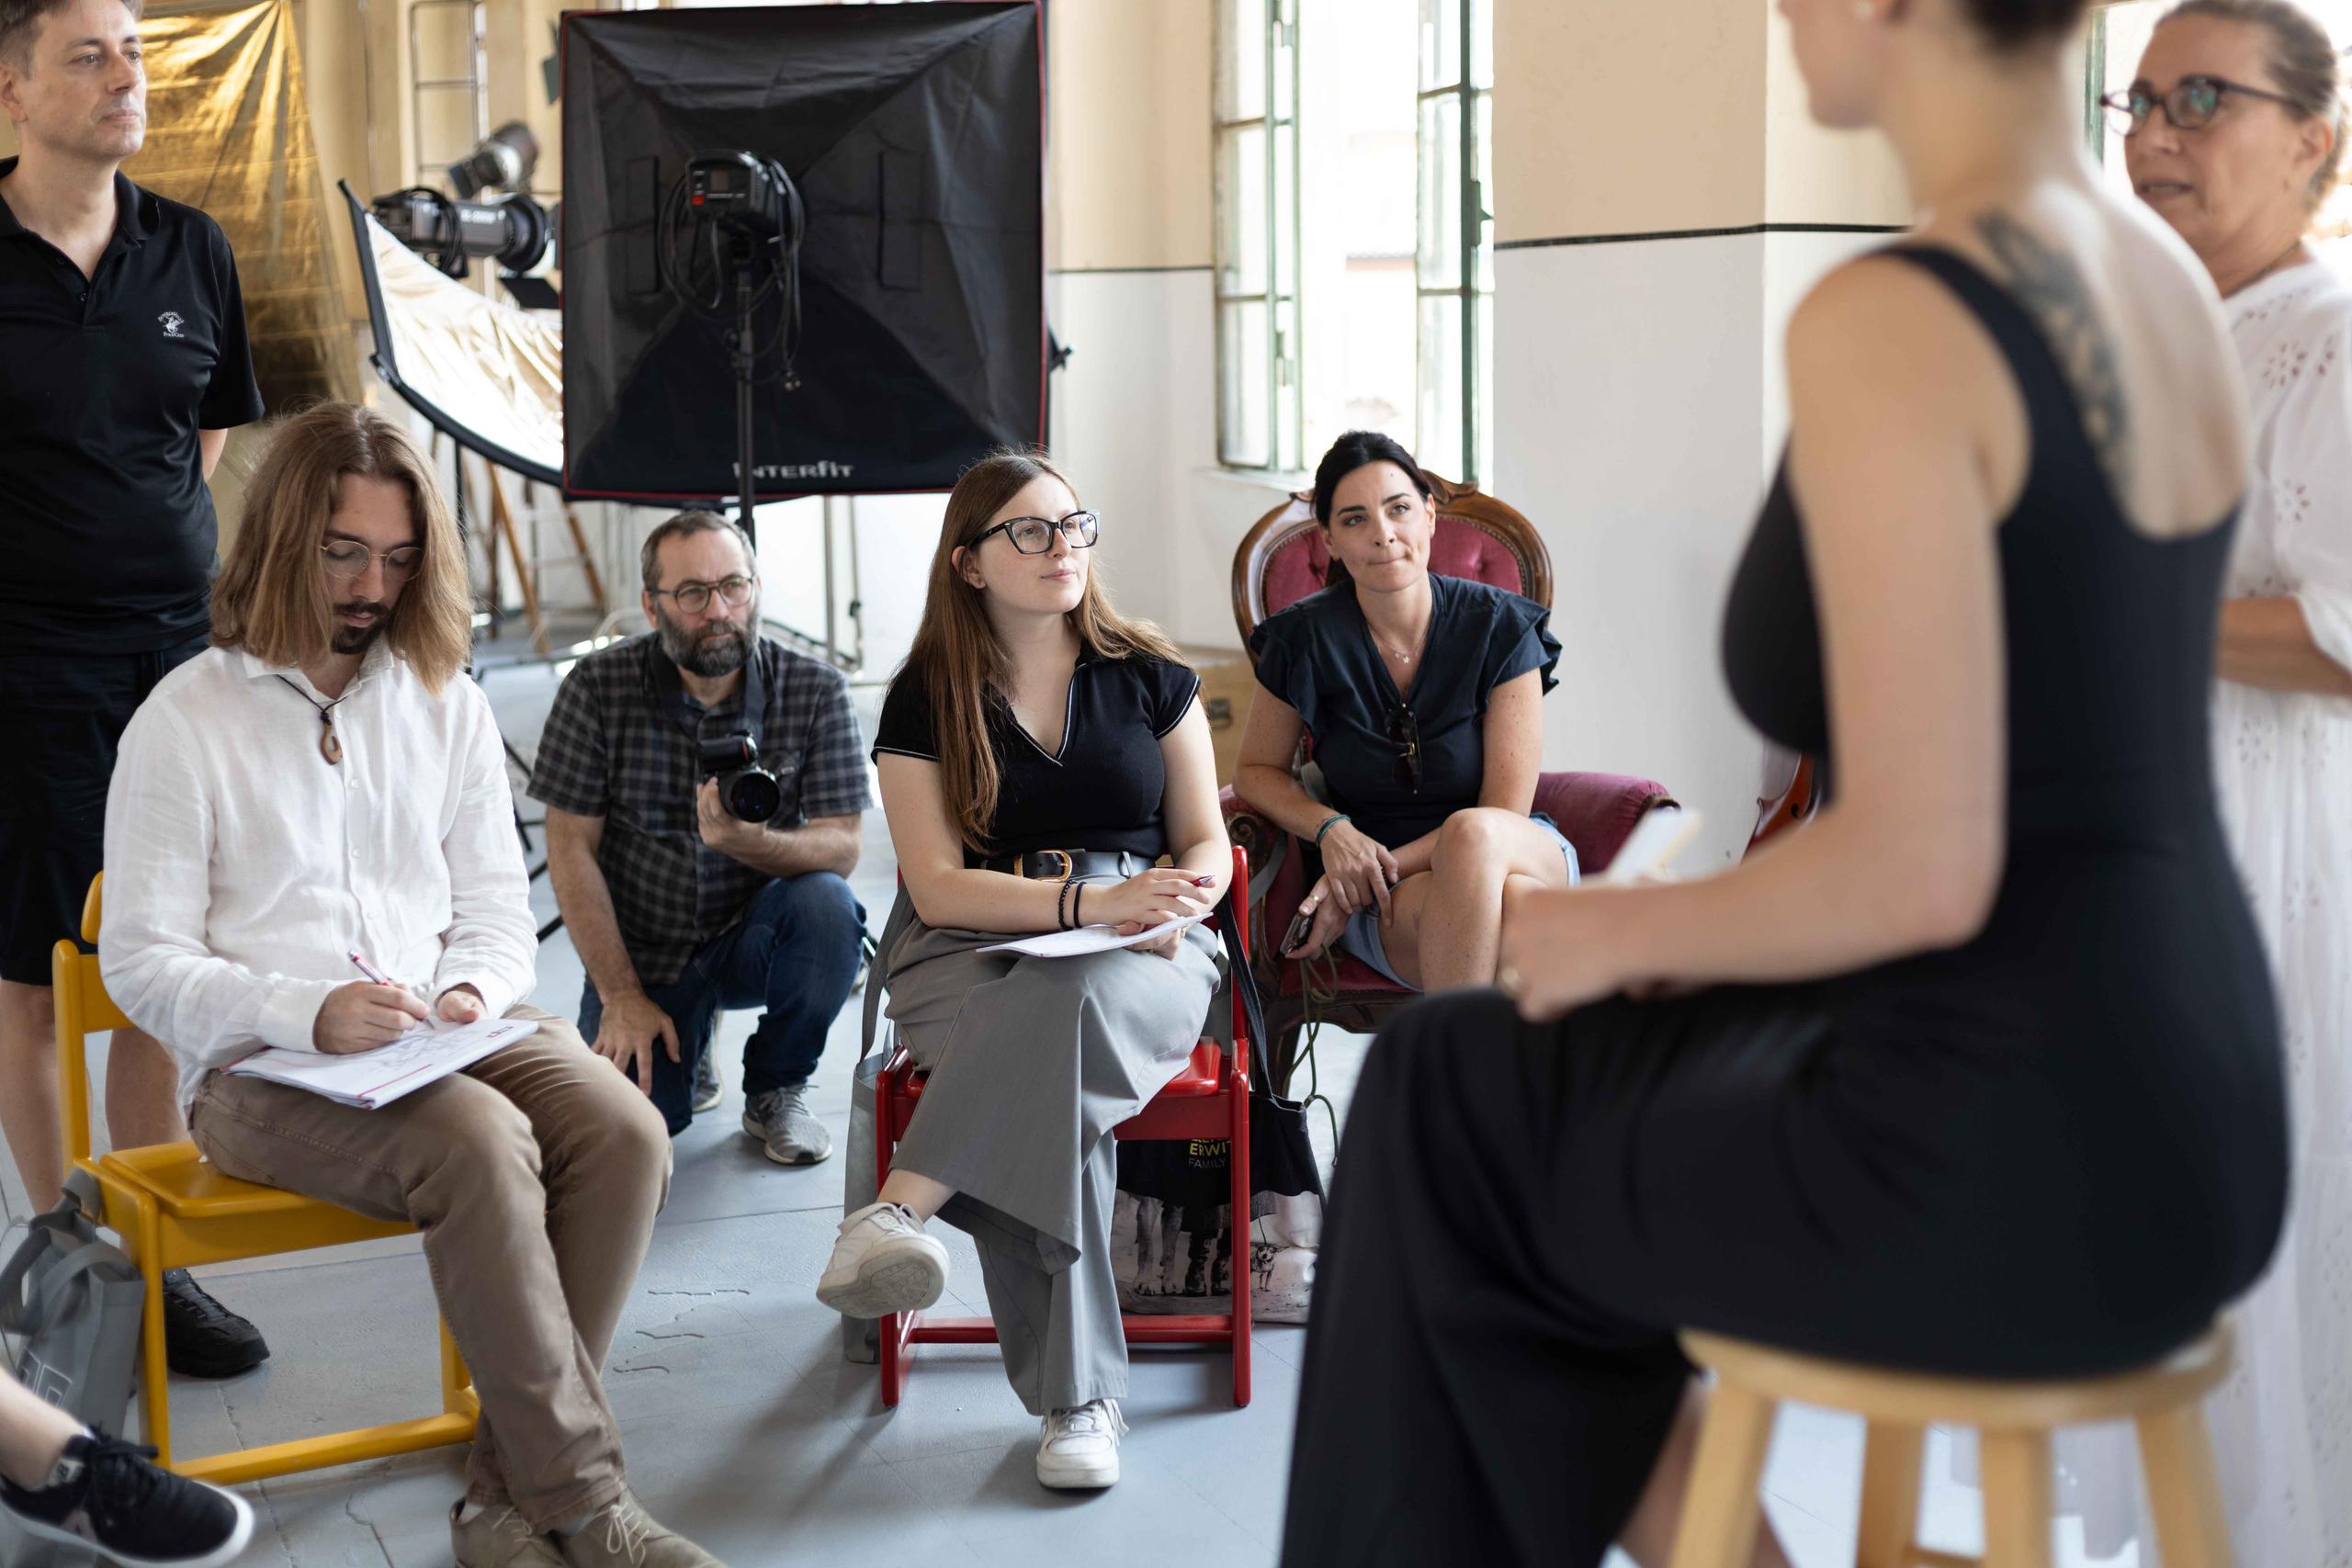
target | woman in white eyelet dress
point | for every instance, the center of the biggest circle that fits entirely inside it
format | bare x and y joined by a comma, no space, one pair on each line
2237,191
2282,1426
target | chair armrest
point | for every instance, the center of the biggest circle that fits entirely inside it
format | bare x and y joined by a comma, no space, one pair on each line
1598,812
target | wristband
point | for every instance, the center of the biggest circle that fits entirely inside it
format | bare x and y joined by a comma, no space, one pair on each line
1076,907
1328,823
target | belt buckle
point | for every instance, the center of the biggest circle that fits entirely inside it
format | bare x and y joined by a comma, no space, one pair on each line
1068,865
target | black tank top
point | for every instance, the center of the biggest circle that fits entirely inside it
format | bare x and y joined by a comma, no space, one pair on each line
2118,989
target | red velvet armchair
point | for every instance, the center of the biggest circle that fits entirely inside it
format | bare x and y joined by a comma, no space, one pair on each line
1281,560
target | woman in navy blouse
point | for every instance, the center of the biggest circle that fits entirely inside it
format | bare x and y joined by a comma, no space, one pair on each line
1424,698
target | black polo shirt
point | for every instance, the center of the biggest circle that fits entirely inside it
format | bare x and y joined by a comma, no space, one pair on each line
104,385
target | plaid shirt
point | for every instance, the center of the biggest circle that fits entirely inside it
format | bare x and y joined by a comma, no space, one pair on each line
616,746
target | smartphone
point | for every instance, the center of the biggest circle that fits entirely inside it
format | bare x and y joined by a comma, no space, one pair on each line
1301,923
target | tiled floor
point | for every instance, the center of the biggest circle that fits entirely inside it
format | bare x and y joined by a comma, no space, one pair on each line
746,1428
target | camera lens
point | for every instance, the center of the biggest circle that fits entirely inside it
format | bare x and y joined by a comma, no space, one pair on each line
752,795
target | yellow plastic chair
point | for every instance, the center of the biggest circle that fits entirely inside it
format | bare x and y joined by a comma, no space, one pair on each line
174,1211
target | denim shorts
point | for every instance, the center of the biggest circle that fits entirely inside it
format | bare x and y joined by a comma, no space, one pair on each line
1360,937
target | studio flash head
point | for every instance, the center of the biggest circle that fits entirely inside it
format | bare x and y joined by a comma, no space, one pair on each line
503,161
511,230
741,191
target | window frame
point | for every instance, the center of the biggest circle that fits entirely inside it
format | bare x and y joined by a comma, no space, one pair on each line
1286,406
1473,287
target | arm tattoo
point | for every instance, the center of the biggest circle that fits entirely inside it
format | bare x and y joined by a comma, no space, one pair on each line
2052,290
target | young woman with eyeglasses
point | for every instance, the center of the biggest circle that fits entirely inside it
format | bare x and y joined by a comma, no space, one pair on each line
1039,755
1976,1074
1424,696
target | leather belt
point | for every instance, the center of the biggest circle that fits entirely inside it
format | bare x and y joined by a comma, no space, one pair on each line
1057,865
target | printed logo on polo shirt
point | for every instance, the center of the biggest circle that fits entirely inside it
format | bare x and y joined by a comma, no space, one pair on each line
172,322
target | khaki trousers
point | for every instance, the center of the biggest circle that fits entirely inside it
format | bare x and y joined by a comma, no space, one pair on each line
535,1176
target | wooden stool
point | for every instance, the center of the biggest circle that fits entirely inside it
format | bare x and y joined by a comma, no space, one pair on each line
2015,1419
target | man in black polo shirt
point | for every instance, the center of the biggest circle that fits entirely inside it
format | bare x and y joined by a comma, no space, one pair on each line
123,362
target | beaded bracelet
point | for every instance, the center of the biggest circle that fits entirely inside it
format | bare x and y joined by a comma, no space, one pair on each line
1078,907
1061,906
1328,823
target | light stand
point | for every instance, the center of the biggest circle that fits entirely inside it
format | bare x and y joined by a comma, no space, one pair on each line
744,356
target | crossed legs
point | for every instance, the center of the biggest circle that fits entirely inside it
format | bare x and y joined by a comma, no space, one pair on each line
1446,928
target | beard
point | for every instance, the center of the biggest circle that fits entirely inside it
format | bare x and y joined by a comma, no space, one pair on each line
358,639
712,651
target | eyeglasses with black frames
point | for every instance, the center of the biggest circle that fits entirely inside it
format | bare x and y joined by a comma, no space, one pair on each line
694,598
348,558
2190,106
1034,536
1405,733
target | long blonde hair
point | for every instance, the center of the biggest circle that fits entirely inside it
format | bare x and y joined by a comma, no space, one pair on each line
958,658
271,597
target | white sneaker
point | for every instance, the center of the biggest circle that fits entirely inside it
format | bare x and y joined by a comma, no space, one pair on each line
1080,1448
883,1264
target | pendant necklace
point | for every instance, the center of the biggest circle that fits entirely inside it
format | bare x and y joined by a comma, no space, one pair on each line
329,747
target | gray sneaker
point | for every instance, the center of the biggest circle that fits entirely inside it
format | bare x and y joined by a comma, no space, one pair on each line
708,1090
780,1119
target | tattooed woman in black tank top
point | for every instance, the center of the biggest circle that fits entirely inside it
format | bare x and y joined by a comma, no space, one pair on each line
1985,1049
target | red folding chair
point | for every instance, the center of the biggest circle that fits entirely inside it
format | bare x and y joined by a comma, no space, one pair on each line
1210,1098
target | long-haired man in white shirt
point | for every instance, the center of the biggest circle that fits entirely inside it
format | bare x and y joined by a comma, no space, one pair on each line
321,782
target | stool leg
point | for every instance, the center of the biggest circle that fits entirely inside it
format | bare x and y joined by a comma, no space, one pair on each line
1891,1459
1720,1511
2183,1491
2017,1499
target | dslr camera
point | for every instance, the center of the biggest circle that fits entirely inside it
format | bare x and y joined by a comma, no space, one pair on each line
749,791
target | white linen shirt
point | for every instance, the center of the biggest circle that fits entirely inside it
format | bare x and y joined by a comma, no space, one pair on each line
243,869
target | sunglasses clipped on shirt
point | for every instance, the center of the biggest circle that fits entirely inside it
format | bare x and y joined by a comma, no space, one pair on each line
1405,733
2190,106
1034,536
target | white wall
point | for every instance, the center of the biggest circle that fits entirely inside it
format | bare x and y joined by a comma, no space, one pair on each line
1628,428
1134,425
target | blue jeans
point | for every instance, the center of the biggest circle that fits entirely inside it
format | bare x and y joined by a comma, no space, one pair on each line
794,953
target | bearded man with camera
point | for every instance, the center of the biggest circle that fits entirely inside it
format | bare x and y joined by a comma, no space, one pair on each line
703,785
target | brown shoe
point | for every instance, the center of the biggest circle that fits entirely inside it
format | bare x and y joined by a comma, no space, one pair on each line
498,1537
621,1534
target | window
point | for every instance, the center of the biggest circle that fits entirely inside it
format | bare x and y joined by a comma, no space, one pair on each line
1454,262
1364,299
1259,392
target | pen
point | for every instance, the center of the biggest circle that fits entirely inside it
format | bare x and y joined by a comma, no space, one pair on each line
368,969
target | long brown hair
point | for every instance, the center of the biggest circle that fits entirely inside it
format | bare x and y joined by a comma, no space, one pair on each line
964,669
271,597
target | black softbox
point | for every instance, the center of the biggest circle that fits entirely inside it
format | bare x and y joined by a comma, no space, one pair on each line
915,134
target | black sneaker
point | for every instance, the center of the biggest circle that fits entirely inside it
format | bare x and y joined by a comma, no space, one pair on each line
105,1494
201,1337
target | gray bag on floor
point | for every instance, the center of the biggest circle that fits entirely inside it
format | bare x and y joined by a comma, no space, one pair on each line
70,1305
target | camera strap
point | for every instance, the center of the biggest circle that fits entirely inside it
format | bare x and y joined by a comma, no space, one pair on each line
667,693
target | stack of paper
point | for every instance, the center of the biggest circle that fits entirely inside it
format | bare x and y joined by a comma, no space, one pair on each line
1092,939
373,1078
